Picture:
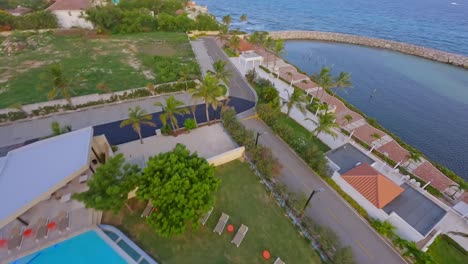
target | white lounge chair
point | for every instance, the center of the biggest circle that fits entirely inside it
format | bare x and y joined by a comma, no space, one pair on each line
205,218
221,223
279,261
148,209
240,235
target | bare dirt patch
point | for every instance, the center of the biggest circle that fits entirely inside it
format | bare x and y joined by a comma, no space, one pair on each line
134,62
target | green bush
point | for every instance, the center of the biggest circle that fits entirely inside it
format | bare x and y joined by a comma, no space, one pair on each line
263,159
166,130
189,124
169,68
12,116
117,20
36,20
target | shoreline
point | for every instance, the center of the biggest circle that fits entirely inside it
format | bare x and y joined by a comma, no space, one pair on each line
457,60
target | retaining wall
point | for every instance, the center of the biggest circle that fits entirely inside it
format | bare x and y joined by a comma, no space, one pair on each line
428,53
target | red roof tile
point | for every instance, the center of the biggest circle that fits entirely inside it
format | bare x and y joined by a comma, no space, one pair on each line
365,131
244,45
428,172
69,5
376,188
395,151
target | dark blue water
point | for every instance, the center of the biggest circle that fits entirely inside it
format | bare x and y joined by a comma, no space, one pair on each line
423,102
439,24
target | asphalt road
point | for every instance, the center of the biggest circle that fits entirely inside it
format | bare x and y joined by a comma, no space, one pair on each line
327,208
239,86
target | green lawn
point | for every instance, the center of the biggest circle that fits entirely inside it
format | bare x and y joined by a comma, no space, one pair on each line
120,61
301,132
245,199
445,253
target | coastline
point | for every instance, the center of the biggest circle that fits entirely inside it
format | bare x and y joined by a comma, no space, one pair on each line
427,53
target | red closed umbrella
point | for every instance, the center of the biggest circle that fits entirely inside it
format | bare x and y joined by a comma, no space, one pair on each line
28,232
230,228
3,242
51,225
266,254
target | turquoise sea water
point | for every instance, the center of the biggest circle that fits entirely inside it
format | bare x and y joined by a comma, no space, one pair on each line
440,24
423,102
86,248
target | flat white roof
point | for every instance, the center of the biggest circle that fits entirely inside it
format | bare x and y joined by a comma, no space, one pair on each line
31,173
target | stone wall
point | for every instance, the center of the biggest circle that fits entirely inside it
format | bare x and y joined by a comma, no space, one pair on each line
428,53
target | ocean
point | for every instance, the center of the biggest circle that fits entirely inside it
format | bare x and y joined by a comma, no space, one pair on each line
423,102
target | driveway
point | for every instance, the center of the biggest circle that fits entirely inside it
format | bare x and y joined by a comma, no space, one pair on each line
326,208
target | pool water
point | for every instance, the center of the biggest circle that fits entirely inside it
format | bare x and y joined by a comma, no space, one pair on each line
86,248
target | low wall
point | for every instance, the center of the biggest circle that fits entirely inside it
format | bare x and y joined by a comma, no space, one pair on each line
403,229
227,156
428,53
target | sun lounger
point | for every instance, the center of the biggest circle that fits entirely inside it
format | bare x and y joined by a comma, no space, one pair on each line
41,229
148,210
221,223
205,218
64,222
240,235
279,261
16,238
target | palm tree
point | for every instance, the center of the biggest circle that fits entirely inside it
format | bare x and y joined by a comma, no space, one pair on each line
136,118
268,44
59,84
348,118
413,157
151,88
277,49
295,99
227,20
323,79
234,42
326,124
193,110
343,80
243,17
223,34
185,76
221,73
209,91
171,109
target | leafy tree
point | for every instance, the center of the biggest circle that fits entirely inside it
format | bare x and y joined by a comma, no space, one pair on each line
206,22
55,80
297,99
151,88
413,157
325,80
185,75
326,124
344,256
227,20
209,91
36,20
58,130
110,185
348,118
171,109
221,73
181,186
243,17
257,38
136,118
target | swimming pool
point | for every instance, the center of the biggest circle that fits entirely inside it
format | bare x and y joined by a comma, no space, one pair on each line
88,247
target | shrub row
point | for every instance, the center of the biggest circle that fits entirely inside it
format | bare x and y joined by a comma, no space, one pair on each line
138,93
35,20
261,156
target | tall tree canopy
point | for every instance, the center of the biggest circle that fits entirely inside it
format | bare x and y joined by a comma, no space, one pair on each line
181,187
110,185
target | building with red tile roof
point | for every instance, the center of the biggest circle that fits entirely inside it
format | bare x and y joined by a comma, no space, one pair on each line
245,46
71,13
375,187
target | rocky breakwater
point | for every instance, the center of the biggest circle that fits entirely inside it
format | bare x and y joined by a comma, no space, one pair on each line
428,53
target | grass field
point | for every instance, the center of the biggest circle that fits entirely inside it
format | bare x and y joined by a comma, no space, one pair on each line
247,202
444,253
120,61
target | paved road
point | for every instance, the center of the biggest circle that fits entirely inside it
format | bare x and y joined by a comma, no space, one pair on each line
239,86
327,208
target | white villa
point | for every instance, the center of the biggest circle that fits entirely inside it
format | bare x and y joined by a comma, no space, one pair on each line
37,182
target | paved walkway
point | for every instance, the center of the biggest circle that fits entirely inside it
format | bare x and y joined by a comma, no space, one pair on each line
207,141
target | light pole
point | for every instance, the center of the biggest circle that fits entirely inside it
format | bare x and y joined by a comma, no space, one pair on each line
258,135
310,198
